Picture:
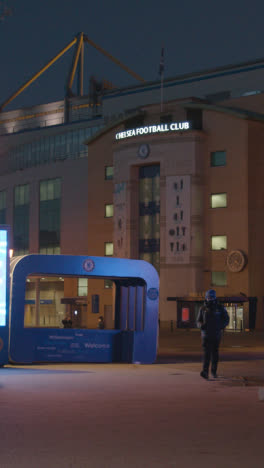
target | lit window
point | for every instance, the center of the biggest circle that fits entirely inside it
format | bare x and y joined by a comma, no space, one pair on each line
82,287
21,220
109,211
109,172
49,250
218,242
108,284
218,158
219,278
21,195
49,216
50,189
109,248
19,252
218,200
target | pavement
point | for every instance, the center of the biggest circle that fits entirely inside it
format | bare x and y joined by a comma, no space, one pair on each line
140,416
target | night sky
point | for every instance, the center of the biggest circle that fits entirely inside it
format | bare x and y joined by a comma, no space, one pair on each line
196,35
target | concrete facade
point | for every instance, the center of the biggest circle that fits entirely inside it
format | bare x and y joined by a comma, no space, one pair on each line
188,154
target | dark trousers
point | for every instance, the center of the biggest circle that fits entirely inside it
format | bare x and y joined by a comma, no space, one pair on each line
210,348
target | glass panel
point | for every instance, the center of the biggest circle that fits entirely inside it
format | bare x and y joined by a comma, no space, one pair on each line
109,172
145,256
57,188
219,278
50,189
43,191
51,300
109,248
26,194
50,192
108,284
239,318
149,214
17,197
218,200
2,216
47,142
218,158
21,227
2,200
76,137
236,315
109,211
218,242
82,286
21,219
49,216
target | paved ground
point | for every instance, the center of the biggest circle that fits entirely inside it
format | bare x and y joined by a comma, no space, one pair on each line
164,415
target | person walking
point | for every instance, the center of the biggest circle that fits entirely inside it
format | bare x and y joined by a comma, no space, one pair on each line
212,320
67,321
101,323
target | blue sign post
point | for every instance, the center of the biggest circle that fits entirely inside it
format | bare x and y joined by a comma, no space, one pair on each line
4,294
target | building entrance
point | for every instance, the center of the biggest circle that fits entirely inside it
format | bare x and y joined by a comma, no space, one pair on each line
236,314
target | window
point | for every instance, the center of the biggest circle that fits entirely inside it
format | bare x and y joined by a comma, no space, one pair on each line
149,214
218,200
21,220
218,158
109,172
108,284
218,242
21,195
82,287
218,278
109,248
49,250
109,211
50,189
2,207
49,216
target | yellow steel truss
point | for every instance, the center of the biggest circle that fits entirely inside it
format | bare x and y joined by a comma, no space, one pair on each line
78,57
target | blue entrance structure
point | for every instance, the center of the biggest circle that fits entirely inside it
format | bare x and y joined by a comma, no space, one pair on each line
134,338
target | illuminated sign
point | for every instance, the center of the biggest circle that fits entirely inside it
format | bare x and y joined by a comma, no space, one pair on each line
3,271
151,129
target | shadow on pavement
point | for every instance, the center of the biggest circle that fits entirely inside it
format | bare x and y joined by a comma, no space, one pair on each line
195,357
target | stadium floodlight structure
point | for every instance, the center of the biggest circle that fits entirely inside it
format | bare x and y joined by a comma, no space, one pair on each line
78,59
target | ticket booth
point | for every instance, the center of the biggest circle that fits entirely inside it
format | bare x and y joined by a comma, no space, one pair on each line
134,337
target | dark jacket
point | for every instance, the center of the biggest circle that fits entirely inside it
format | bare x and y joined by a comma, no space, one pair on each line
67,323
212,319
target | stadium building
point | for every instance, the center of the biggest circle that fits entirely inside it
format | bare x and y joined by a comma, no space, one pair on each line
117,172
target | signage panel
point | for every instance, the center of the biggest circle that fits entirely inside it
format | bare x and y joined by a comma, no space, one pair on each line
152,129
